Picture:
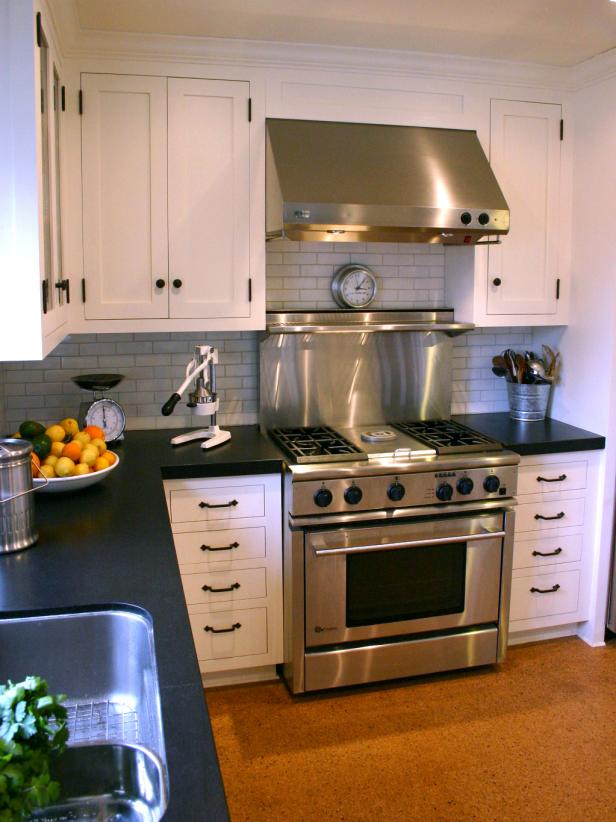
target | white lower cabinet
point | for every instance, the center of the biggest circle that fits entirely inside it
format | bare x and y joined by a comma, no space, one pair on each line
228,539
554,544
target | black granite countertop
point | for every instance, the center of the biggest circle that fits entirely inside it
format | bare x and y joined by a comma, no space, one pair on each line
526,438
112,543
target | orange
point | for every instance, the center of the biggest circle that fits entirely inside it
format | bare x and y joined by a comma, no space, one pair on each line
36,464
100,464
72,450
109,456
95,432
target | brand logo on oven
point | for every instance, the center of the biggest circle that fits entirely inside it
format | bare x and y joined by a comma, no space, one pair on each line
446,474
318,629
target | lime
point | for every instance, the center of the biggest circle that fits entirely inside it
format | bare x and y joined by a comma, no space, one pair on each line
41,445
31,429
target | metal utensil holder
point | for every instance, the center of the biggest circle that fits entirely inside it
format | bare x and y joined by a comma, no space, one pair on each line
17,526
528,402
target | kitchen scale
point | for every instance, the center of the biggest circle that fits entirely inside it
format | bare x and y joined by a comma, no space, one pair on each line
101,410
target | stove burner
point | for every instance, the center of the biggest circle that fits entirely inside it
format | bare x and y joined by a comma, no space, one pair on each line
378,435
448,437
317,444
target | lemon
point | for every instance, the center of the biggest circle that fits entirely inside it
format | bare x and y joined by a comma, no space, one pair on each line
55,433
64,467
57,448
82,468
47,471
100,444
82,436
89,455
50,460
71,426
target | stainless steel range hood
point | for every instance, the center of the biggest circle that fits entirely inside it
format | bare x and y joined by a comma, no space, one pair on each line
371,183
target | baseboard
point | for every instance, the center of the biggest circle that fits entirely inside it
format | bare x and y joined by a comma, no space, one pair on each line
240,677
539,634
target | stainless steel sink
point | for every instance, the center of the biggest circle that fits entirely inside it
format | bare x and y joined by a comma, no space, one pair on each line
104,661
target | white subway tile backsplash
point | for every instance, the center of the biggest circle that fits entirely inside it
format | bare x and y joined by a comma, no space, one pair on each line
298,277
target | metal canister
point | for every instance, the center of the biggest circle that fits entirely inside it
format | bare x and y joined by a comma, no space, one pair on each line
528,402
17,527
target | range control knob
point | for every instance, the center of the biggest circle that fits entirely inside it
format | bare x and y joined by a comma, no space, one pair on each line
444,492
466,217
483,218
323,497
396,491
465,485
491,484
353,495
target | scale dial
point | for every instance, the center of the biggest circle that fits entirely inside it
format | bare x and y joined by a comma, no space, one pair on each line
109,416
354,286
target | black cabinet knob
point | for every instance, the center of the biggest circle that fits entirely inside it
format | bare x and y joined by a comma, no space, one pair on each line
177,283
160,283
491,484
496,281
444,492
323,497
353,495
396,491
465,485
466,217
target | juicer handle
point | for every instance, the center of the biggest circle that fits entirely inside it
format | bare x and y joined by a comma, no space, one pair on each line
170,405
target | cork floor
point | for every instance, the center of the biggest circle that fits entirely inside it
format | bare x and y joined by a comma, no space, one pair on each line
532,740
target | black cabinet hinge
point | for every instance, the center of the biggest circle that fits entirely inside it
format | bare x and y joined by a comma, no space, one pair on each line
63,98
558,288
83,289
250,109
250,289
45,290
562,129
39,30
80,101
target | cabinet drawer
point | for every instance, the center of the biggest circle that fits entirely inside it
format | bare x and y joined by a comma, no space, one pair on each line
558,476
232,633
226,545
527,603
545,550
246,583
546,515
212,503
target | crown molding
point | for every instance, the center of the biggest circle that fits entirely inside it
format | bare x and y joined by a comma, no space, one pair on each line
76,43
596,70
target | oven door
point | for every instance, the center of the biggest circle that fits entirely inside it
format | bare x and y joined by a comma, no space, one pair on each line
391,580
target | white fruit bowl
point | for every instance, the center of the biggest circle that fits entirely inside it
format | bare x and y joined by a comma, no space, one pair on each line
58,485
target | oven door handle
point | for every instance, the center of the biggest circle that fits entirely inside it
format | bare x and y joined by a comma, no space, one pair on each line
414,543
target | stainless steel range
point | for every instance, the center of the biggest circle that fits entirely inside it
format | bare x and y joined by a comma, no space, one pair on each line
398,530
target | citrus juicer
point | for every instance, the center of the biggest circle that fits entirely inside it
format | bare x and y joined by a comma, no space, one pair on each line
102,411
203,399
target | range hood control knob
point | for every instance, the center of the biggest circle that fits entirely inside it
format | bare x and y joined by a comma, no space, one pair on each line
323,497
483,218
396,491
353,495
465,485
444,492
466,217
491,484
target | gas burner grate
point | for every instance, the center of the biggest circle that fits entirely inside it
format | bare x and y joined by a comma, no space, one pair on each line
315,444
448,437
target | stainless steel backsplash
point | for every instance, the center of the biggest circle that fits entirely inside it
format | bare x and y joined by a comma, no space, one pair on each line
352,379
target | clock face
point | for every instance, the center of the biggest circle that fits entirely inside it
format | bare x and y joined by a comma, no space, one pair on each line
109,416
354,286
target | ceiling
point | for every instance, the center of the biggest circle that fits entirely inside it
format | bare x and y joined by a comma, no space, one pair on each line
551,32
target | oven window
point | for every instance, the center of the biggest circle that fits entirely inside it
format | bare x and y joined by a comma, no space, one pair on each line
409,583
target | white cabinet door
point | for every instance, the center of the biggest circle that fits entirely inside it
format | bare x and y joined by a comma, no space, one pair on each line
209,198
124,159
525,156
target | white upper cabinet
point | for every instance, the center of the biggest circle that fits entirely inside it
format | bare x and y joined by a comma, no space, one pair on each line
525,156
523,279
209,198
166,202
124,139
34,288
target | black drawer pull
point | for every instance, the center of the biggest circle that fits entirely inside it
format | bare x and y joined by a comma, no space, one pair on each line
551,590
234,627
548,554
222,547
233,587
558,516
552,479
229,504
